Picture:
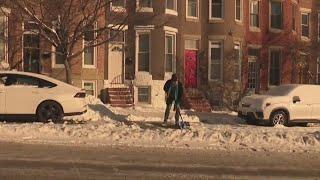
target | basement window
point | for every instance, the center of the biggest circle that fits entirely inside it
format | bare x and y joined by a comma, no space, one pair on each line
144,94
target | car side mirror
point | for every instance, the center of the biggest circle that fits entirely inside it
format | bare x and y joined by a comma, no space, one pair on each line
296,99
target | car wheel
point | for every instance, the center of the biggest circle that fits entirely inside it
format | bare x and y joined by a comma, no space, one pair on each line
50,110
278,117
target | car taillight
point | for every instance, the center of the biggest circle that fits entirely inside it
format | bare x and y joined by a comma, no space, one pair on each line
80,95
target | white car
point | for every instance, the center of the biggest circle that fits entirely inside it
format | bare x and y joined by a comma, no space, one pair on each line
282,105
25,94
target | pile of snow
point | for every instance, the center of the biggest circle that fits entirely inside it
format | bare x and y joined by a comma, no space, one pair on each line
103,125
4,66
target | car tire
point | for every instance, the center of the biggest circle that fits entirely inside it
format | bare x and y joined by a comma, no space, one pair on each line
50,110
279,117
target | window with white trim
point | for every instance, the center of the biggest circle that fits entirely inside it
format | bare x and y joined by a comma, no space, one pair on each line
253,55
145,3
254,13
191,44
171,5
57,57
118,5
3,38
305,25
318,70
170,46
89,54
143,51
216,9
89,87
238,9
215,60
274,67
237,61
144,94
294,16
192,8
276,14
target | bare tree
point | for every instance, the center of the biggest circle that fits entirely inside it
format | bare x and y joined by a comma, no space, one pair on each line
64,24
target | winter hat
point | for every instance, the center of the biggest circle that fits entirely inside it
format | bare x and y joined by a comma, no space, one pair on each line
174,77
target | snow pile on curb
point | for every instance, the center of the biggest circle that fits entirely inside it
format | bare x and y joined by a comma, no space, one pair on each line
103,125
219,137
4,66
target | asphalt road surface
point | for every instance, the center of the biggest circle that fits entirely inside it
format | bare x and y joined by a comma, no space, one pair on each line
26,161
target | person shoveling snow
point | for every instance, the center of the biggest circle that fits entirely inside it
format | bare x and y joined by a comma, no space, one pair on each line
174,91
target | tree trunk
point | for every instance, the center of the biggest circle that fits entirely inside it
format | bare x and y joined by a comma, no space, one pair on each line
68,71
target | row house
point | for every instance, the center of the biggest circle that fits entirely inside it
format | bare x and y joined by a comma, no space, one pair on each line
220,49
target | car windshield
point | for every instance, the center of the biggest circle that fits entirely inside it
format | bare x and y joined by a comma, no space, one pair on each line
280,91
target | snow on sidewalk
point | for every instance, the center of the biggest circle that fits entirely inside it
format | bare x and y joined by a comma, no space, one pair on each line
103,125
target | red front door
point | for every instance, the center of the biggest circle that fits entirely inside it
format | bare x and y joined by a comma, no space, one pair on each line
190,72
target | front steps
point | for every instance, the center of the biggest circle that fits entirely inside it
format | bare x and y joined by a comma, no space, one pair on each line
195,99
120,97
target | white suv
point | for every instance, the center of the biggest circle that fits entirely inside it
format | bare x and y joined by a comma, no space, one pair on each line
283,104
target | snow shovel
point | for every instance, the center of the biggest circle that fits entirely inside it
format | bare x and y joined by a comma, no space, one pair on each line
183,124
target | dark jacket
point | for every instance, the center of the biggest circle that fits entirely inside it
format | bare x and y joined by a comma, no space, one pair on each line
171,98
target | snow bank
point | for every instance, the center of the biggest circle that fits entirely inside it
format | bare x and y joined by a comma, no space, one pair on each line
103,125
218,137
4,66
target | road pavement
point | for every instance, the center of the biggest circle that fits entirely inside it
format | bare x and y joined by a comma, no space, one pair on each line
38,161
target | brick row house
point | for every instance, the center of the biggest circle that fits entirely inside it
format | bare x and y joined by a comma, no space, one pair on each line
220,49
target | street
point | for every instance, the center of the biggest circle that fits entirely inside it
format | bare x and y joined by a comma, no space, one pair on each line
26,161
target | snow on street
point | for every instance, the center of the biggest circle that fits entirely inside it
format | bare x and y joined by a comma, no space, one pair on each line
103,125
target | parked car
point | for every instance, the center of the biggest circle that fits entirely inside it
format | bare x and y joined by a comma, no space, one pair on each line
25,94
282,105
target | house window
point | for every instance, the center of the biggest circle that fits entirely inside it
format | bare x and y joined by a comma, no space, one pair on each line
118,5
170,52
144,94
3,41
116,36
89,53
305,25
58,58
276,14
254,13
274,67
31,47
192,8
143,51
318,70
145,3
215,59
238,10
237,62
216,10
253,55
294,15
171,6
191,44
89,87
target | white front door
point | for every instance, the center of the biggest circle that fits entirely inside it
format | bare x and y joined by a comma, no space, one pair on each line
115,63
